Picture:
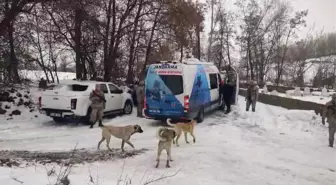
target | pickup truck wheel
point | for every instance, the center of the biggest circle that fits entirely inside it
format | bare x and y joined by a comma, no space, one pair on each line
58,120
128,107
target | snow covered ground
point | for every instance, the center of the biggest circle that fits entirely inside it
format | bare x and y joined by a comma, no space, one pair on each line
314,97
317,99
273,146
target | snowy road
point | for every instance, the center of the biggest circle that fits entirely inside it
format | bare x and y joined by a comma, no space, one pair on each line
272,146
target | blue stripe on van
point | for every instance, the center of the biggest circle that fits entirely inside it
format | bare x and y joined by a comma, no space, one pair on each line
159,99
200,94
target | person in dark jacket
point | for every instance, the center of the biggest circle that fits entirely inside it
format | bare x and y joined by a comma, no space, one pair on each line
133,94
227,92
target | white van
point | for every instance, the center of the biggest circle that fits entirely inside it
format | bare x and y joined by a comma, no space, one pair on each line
181,91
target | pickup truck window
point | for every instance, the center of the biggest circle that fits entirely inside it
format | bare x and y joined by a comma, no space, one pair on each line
103,87
77,87
113,88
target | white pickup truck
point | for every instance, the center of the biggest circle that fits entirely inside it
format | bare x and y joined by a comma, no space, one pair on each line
71,100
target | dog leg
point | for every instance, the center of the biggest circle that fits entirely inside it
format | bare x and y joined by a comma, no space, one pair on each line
158,158
168,158
194,138
169,155
186,137
108,143
122,145
129,143
100,142
177,138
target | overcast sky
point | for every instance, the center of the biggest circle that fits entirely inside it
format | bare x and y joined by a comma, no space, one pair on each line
321,17
321,14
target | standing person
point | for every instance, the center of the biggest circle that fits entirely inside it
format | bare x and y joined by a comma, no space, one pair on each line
134,98
140,95
329,112
221,94
252,95
227,95
98,102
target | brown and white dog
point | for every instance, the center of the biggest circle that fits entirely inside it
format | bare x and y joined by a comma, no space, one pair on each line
187,127
166,137
124,133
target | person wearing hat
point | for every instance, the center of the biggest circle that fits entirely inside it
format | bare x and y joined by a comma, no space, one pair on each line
252,95
140,96
329,112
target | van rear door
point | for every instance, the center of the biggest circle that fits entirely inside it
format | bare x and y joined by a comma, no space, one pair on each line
164,90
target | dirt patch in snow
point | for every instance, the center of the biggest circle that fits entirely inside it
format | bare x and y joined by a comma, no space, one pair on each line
28,158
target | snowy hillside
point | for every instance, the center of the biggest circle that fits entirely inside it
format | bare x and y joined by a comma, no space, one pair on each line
36,75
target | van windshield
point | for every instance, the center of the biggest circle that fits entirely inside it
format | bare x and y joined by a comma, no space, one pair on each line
174,83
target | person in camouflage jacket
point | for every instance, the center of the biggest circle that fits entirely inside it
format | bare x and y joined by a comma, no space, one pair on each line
252,96
98,102
329,112
140,94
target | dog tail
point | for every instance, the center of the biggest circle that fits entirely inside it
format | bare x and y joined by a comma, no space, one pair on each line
159,134
170,123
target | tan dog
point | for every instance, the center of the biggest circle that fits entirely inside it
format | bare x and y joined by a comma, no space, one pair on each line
166,136
187,127
124,133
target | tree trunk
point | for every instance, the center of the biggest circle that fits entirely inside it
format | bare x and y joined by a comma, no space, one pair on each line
13,62
181,50
115,40
130,73
211,30
78,36
149,45
106,46
228,47
10,14
198,33
39,48
250,58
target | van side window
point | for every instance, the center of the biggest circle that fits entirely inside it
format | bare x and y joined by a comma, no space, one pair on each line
213,81
103,87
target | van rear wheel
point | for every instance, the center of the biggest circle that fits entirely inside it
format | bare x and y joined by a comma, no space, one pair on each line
200,116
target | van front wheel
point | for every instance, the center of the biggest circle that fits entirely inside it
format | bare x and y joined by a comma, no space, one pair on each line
200,116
